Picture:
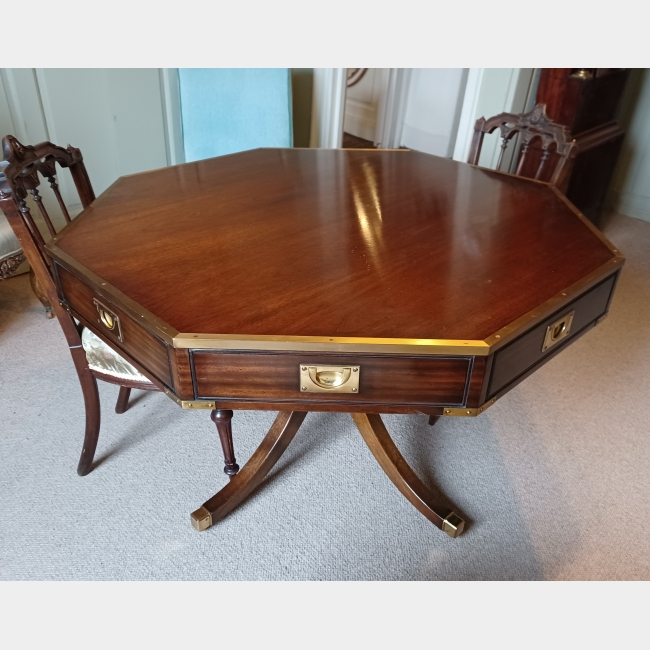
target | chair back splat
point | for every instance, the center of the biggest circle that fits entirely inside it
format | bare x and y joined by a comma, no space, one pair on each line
552,152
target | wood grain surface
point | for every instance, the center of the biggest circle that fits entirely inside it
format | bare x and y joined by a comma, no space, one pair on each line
150,351
276,377
303,242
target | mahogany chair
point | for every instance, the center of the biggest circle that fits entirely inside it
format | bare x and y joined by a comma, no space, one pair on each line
547,148
20,174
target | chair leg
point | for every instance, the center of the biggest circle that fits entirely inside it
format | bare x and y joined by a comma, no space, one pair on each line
93,413
433,419
123,400
223,421
40,294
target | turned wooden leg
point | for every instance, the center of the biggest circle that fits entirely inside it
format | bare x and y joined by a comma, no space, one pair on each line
93,413
123,400
252,473
433,419
392,462
223,420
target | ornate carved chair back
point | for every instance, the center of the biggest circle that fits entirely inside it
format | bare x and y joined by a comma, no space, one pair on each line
21,172
20,175
547,149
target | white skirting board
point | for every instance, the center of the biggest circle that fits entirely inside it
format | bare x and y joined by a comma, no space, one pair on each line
633,205
360,119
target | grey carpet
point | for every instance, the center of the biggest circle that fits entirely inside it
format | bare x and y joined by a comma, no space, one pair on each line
554,478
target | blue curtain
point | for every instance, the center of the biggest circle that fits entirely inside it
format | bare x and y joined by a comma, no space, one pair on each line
225,110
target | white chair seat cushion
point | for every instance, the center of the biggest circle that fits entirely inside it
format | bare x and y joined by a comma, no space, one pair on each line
104,359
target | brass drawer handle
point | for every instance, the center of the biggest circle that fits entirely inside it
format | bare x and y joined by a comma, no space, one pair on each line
331,379
558,330
109,319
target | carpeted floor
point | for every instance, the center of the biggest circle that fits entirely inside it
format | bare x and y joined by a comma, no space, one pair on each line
555,478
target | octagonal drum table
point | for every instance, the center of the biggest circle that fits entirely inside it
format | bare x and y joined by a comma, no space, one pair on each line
360,281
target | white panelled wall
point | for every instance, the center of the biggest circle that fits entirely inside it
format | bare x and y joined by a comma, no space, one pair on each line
362,103
128,120
434,103
115,116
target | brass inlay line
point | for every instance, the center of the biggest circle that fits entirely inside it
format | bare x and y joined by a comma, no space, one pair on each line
331,344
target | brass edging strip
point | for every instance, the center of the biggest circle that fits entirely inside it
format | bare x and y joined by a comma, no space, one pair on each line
537,315
195,405
327,344
157,326
467,412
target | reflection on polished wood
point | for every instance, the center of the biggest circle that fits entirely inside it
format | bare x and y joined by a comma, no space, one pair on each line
334,243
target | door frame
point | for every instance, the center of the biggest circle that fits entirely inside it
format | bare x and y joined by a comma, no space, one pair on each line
392,109
328,107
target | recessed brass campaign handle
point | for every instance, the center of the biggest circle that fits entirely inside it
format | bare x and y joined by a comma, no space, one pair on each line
558,330
109,319
332,379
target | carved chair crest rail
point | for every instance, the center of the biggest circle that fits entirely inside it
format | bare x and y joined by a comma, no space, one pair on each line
533,128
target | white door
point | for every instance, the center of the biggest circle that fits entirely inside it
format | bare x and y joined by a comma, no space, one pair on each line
114,115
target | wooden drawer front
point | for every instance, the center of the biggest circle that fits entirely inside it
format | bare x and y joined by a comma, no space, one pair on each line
524,352
143,346
276,377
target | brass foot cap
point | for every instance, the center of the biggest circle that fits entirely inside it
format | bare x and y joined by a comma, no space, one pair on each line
201,519
453,525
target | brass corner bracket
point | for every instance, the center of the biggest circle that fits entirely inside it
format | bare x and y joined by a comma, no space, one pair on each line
195,405
468,412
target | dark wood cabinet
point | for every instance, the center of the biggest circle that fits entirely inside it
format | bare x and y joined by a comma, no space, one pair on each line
586,101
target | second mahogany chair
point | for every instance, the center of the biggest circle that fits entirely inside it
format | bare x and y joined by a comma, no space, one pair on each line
20,175
547,148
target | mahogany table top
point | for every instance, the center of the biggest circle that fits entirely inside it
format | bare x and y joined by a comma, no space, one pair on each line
346,243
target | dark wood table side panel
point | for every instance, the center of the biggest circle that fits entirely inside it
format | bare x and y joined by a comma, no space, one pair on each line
181,373
526,351
330,407
476,382
383,379
150,351
552,354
